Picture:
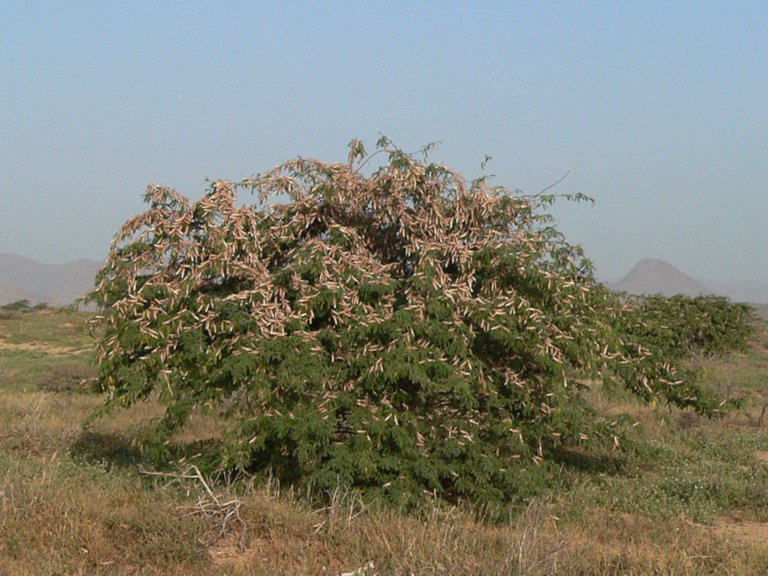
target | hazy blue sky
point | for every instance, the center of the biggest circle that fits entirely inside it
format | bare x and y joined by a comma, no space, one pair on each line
658,110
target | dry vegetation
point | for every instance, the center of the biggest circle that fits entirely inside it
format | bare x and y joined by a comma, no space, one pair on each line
689,496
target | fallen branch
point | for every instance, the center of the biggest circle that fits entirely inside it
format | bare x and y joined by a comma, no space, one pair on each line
222,511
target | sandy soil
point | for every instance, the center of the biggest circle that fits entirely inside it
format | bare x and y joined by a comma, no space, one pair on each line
44,348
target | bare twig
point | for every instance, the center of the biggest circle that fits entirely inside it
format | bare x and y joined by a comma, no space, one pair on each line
548,188
532,556
209,504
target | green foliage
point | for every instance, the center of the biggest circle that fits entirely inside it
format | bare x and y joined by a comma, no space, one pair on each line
403,332
697,473
24,306
669,329
681,325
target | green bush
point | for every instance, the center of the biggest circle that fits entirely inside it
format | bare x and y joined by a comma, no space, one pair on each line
24,306
682,325
400,331
17,306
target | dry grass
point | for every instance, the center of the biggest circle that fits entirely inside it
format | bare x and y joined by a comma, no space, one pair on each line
59,517
691,498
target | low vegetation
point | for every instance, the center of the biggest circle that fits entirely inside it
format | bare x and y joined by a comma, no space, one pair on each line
680,326
687,495
21,306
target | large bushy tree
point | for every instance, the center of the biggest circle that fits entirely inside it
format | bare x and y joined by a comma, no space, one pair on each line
396,328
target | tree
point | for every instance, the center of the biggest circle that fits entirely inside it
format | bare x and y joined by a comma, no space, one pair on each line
399,330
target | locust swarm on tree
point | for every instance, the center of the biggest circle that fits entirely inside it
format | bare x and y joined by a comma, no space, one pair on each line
390,327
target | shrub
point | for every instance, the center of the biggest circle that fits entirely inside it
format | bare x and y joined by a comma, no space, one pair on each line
681,325
17,306
400,331
24,306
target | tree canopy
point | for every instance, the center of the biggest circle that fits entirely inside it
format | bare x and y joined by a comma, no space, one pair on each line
393,327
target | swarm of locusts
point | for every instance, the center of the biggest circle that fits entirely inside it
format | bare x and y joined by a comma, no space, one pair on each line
393,328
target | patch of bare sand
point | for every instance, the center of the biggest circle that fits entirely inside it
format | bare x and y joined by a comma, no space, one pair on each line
44,348
762,456
742,531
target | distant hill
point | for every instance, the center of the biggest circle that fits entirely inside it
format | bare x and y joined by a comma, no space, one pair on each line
652,276
54,284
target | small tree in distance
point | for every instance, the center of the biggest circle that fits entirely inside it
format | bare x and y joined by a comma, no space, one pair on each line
401,330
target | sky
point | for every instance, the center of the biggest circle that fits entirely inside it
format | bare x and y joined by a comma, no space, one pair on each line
658,111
